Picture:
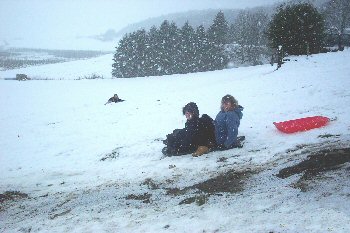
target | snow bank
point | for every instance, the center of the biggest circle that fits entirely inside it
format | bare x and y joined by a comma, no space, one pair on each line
85,164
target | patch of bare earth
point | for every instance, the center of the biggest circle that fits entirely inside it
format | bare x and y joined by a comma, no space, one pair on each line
228,182
9,196
316,164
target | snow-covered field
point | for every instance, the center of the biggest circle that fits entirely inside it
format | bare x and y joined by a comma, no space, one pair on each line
90,167
73,70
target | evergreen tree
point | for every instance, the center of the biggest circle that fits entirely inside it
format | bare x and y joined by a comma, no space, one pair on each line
117,66
217,39
218,31
202,49
241,35
175,48
131,57
121,59
140,56
154,62
187,49
299,29
165,48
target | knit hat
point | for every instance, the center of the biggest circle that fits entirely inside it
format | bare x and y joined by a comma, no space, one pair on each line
192,108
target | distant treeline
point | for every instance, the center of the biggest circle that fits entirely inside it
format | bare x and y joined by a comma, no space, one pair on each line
22,57
254,38
69,54
171,50
9,64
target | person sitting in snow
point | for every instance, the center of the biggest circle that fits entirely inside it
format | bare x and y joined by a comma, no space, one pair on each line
114,99
227,122
197,136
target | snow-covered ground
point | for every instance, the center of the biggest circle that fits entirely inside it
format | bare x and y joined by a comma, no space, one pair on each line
90,167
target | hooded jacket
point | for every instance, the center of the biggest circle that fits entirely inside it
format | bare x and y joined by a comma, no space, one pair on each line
226,127
197,132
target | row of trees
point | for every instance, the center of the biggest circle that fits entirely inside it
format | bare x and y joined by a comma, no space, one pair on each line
170,50
253,37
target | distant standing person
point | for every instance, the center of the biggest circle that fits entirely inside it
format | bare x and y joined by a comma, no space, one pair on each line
227,122
114,99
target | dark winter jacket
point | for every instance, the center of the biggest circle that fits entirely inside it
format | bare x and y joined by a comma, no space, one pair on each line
206,133
226,127
197,132
115,100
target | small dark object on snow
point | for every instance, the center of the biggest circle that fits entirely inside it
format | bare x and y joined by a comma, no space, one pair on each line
22,77
114,99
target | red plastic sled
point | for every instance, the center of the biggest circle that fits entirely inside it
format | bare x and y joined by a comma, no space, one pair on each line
301,124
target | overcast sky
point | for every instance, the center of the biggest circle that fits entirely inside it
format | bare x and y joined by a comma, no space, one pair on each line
40,23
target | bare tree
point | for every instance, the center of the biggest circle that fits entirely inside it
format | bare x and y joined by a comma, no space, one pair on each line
337,14
248,36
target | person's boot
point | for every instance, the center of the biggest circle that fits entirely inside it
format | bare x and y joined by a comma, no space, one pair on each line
201,150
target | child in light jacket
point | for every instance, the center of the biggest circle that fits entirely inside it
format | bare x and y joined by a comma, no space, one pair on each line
227,122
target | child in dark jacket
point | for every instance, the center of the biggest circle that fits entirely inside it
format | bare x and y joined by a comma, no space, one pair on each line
227,122
114,99
197,134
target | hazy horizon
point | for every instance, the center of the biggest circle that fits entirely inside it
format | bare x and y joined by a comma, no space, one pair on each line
65,24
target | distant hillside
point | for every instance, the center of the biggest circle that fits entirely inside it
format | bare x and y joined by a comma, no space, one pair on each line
195,18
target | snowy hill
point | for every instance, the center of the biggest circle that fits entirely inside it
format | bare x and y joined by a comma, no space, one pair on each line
69,163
